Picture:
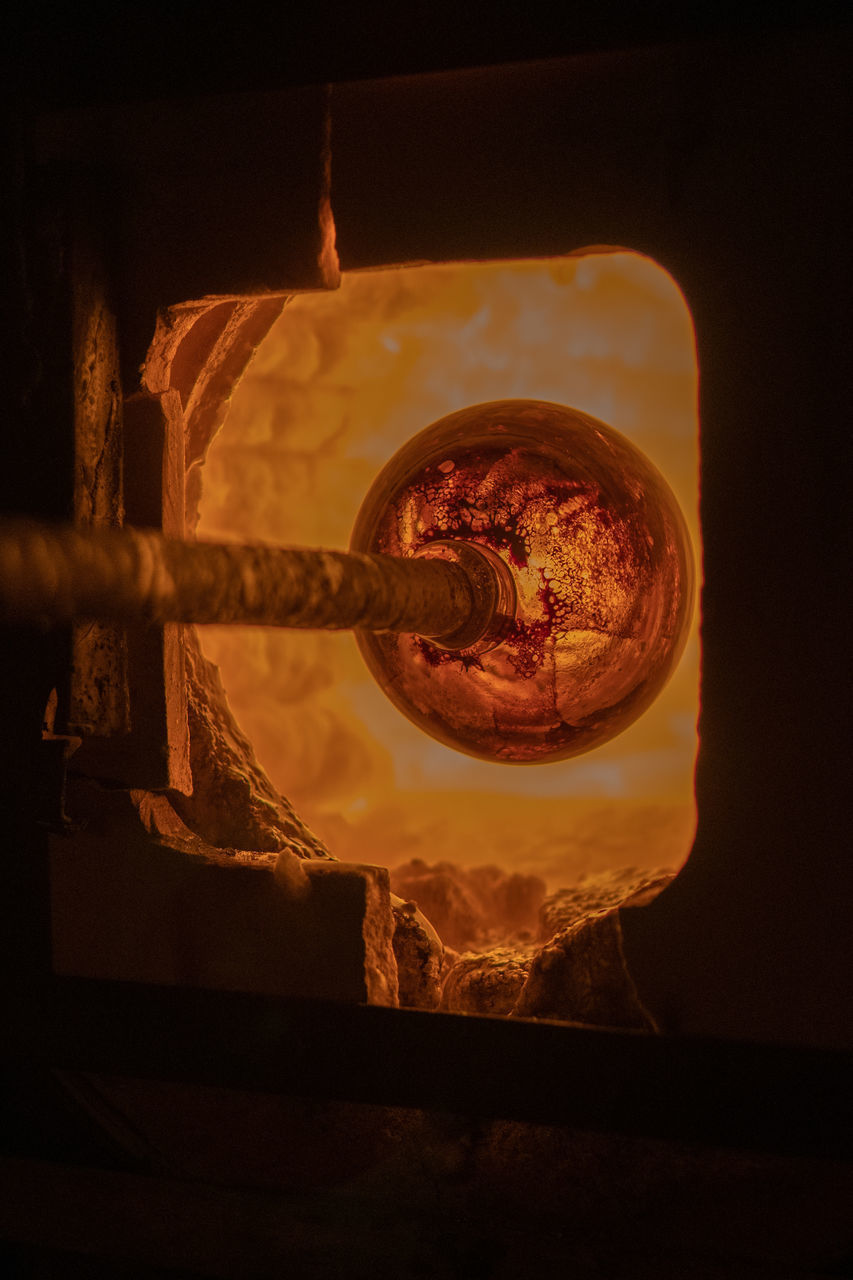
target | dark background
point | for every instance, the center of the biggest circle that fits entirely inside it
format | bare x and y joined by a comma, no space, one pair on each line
102,53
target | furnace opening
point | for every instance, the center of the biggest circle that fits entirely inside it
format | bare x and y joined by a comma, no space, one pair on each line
341,382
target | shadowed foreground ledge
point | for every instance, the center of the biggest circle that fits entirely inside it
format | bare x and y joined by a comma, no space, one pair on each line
775,1098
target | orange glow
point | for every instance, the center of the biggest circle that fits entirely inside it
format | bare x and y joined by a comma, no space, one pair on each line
341,383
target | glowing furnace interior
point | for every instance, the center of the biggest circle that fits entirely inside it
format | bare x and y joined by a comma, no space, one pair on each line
343,380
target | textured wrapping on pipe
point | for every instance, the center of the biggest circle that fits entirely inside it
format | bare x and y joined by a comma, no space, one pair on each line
53,574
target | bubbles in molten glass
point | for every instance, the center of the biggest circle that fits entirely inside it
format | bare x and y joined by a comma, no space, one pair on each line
602,566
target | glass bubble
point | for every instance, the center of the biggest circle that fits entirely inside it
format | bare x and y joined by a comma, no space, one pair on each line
600,557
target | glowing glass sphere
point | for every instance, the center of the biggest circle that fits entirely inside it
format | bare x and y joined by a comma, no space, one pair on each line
600,557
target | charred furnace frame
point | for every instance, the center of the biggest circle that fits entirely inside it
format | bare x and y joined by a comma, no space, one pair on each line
720,160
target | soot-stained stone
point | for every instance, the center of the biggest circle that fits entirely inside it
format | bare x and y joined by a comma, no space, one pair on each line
581,976
598,892
488,983
233,804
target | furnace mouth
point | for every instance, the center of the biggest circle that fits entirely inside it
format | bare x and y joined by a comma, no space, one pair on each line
254,754
342,380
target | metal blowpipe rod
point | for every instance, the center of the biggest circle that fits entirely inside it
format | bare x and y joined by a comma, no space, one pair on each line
54,574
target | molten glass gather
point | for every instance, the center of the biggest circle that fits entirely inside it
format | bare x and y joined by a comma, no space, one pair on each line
601,562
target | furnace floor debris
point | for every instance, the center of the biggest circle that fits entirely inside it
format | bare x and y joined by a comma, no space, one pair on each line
507,943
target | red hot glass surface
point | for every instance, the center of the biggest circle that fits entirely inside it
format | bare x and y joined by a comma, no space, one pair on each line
601,561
